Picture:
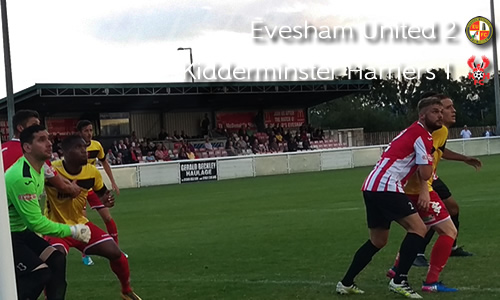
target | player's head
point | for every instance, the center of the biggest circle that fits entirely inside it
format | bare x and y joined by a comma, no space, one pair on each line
36,143
430,113
75,150
449,112
85,129
23,119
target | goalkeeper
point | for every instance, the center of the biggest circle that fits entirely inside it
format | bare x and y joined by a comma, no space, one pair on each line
37,264
63,208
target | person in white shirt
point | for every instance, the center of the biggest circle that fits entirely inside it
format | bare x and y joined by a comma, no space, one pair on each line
465,133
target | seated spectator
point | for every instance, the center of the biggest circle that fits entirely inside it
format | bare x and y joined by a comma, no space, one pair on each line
208,145
133,157
255,146
110,157
190,154
242,144
182,153
150,157
292,145
121,146
133,137
127,142
273,145
306,144
223,131
119,158
288,136
159,155
230,148
114,148
166,154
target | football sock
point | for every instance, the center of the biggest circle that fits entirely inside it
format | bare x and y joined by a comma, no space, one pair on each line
439,256
362,257
121,269
455,221
407,253
55,289
112,230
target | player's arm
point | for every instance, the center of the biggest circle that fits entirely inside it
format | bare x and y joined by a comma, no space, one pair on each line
451,155
24,197
423,158
107,169
101,191
64,185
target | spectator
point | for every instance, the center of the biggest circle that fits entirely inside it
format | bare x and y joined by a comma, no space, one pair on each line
132,156
162,135
273,145
190,154
166,154
255,146
159,155
114,148
182,153
488,132
121,146
133,137
208,145
243,131
205,126
292,145
110,157
465,133
176,137
183,135
242,143
119,158
150,157
230,148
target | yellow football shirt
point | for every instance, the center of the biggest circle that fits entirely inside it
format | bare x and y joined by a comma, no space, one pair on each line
61,207
94,152
439,138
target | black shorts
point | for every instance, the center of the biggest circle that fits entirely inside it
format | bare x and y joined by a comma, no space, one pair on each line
384,207
27,247
441,189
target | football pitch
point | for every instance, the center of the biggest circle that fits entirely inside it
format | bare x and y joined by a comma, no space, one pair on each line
281,237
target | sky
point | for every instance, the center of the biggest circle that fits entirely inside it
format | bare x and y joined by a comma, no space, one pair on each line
109,41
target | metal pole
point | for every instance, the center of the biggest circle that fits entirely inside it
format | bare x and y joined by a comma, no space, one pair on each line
495,65
192,68
7,276
8,68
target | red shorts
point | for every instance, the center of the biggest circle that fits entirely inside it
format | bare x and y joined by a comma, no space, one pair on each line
97,236
436,213
94,200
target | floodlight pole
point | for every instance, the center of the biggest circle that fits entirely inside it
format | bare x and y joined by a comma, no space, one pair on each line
7,276
191,59
495,65
8,68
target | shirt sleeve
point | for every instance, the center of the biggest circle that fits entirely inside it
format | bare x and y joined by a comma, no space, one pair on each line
98,183
101,155
48,170
25,200
423,148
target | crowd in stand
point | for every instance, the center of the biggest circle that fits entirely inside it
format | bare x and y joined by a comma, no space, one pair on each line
273,139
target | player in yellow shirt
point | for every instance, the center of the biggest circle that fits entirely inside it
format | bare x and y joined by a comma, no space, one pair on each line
95,152
63,208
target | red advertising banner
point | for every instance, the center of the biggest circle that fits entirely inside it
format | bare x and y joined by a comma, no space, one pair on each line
234,120
287,118
61,126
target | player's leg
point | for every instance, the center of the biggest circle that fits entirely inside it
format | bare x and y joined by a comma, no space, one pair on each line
379,234
452,206
96,203
103,245
439,256
31,273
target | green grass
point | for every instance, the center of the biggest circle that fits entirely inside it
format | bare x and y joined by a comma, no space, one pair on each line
280,237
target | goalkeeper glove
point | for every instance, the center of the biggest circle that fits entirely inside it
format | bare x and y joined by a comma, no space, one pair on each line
80,232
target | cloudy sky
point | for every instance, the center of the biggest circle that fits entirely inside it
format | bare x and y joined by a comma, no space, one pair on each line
111,41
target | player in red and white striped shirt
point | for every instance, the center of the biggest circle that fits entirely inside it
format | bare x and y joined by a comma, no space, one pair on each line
385,201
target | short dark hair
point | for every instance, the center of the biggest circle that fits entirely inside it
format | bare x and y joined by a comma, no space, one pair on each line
21,118
82,124
434,94
27,135
70,141
426,102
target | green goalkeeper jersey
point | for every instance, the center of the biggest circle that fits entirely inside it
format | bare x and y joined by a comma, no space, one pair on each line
25,188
